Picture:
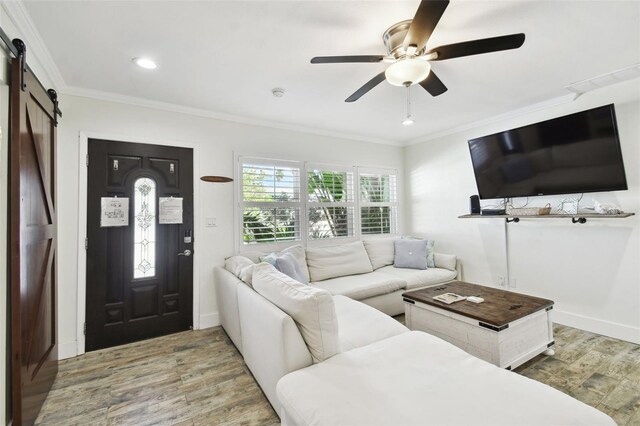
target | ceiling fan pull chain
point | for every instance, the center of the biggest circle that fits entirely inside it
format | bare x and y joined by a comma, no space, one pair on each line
408,101
408,121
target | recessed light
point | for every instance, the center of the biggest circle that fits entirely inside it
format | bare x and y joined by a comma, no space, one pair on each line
145,63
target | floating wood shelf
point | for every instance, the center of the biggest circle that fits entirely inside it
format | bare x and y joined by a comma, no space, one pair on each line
575,218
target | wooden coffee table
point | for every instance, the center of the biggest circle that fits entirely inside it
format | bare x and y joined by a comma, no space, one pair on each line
507,329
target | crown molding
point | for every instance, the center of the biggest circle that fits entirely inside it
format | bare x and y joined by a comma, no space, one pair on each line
36,46
198,112
495,119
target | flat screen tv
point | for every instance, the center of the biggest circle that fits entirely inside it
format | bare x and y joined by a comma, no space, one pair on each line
572,154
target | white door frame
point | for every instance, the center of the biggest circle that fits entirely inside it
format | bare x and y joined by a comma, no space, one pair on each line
83,138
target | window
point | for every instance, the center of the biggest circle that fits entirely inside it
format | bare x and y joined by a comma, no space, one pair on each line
330,203
287,201
144,236
270,201
378,202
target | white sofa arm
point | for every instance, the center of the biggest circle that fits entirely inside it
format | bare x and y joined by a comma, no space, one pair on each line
272,345
226,285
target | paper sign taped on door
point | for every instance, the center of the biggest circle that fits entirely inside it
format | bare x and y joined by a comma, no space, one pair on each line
170,210
114,211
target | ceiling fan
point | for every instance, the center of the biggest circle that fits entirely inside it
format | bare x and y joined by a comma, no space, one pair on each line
410,61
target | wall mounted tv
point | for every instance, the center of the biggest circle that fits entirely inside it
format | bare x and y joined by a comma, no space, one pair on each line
572,154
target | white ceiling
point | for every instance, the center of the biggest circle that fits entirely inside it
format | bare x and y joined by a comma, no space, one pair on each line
225,57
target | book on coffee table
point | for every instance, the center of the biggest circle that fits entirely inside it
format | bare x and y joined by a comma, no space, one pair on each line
449,298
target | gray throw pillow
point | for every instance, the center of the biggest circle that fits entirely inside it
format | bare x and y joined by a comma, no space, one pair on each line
288,265
431,263
410,254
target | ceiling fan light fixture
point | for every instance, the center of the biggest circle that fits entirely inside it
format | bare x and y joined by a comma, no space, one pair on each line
407,121
407,72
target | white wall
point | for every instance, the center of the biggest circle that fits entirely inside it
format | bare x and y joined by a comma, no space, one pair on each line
215,142
591,271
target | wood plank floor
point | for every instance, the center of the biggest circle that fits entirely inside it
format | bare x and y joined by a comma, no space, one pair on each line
199,378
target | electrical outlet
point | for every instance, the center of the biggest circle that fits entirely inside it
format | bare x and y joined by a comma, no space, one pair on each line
501,282
512,283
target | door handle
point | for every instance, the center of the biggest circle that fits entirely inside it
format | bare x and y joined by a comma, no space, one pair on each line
186,253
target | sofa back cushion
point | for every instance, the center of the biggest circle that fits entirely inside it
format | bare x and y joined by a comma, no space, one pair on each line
338,261
241,267
380,251
311,308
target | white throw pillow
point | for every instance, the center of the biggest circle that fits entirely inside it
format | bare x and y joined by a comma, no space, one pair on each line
338,261
381,251
311,308
445,261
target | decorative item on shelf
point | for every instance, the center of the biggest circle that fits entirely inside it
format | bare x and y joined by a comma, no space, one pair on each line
529,211
216,179
606,208
568,206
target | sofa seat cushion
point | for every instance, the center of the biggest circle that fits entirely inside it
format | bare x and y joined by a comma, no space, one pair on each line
360,324
362,286
415,378
416,278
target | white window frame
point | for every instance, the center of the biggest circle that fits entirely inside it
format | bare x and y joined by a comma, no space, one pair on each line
393,204
304,204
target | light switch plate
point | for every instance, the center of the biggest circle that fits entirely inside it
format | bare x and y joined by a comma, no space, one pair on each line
211,222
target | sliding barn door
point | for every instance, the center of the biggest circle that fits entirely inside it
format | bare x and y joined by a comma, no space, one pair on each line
34,351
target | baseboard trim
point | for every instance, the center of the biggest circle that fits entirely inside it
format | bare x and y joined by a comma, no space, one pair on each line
606,328
67,350
209,320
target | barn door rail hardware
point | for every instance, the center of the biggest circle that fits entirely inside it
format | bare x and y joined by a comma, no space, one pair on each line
18,49
53,95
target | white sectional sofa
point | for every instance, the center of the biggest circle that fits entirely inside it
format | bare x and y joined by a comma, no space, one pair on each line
374,370
364,271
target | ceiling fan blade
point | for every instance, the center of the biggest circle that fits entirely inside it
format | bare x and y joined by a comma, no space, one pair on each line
367,86
427,16
433,85
346,59
477,47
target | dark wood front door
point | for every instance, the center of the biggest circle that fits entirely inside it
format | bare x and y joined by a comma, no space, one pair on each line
34,350
139,276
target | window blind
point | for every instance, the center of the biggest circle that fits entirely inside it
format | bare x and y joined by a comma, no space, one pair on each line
270,201
330,202
378,202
